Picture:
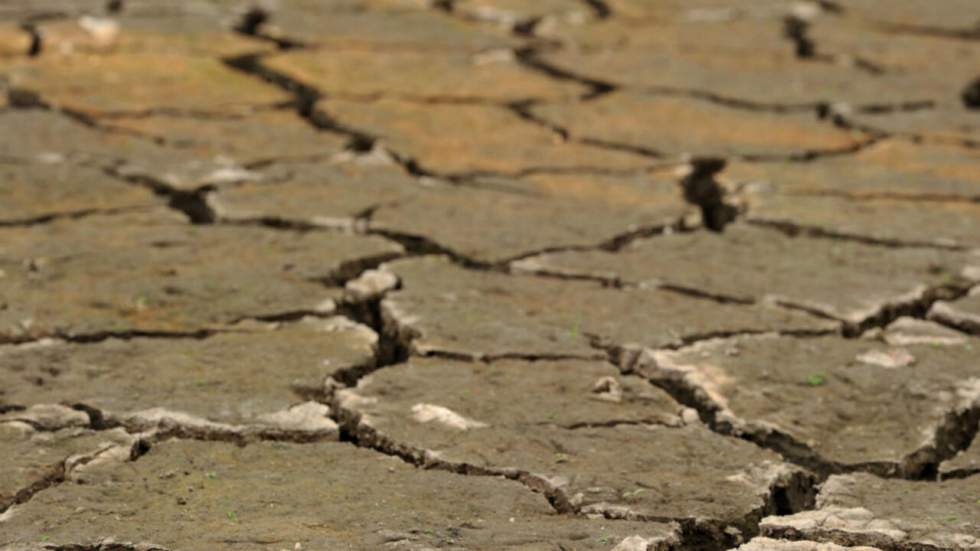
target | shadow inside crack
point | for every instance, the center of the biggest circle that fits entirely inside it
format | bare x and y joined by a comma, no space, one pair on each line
703,190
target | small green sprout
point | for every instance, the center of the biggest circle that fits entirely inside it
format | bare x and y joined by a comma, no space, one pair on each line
232,516
211,475
816,379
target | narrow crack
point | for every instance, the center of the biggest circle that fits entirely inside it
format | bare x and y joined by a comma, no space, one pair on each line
841,119
25,99
706,295
810,155
966,33
529,57
732,102
910,106
915,197
507,356
106,545
419,245
523,110
47,218
794,229
179,113
530,267
797,30
820,108
251,24
193,204
357,433
148,427
101,336
689,340
612,423
59,472
305,103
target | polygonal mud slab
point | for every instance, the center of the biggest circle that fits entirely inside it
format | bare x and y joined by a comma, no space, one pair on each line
203,495
153,272
593,441
430,393
769,544
510,13
845,280
963,314
41,135
17,10
703,54
677,125
951,123
498,224
892,191
467,138
694,10
862,509
949,119
445,309
913,222
487,221
262,135
908,57
395,27
421,74
140,81
906,330
912,17
888,169
903,69
14,42
227,378
328,194
29,136
33,191
159,31
834,404
36,459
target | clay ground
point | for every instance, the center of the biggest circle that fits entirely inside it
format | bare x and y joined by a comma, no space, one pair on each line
489,274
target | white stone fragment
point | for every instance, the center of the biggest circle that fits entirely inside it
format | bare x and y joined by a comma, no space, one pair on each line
889,359
427,413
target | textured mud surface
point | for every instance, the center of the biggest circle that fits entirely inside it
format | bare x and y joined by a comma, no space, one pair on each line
617,275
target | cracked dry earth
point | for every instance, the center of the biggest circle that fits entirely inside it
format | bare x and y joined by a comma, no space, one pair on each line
621,275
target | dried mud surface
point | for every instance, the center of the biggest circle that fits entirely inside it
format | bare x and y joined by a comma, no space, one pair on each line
562,275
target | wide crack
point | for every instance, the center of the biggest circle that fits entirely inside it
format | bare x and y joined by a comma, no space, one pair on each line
953,434
786,494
